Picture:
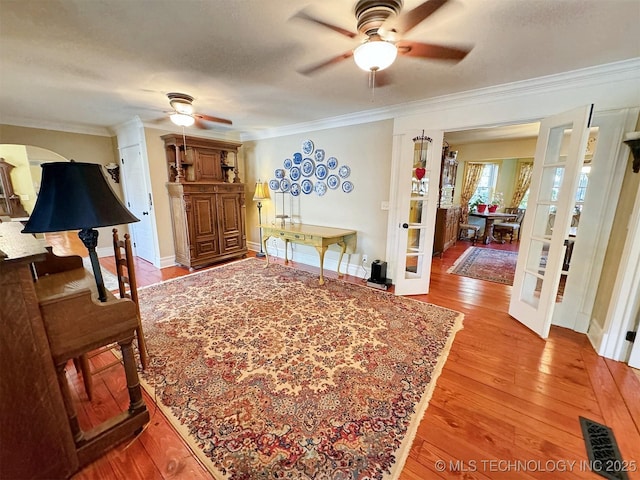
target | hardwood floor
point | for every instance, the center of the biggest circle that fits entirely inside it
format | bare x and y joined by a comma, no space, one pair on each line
506,404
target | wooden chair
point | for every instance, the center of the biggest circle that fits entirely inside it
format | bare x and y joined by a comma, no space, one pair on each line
128,289
510,228
470,230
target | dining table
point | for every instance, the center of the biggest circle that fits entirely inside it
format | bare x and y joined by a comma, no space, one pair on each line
489,220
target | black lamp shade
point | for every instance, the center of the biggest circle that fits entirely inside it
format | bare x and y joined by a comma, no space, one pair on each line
74,196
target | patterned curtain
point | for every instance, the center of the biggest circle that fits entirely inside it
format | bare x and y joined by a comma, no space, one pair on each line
522,184
472,174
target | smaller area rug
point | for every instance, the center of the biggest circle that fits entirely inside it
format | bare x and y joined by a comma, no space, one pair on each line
268,375
497,266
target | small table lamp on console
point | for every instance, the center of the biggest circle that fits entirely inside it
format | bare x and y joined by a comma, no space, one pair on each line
76,196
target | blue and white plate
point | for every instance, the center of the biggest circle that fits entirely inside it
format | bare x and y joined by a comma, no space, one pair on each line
306,186
279,173
307,147
347,187
332,163
333,182
307,167
294,173
320,188
295,189
285,184
288,163
274,184
344,172
321,172
319,155
297,158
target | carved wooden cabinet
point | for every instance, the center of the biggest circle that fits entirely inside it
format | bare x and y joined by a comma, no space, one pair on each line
208,209
446,233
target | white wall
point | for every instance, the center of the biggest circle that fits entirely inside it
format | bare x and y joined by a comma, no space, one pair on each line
366,149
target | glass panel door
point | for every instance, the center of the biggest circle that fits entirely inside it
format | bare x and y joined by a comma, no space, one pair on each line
418,197
556,171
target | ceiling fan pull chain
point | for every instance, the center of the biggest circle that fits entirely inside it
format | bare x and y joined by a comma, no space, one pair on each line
372,84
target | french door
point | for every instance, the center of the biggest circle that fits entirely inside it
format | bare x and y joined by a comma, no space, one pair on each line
560,151
420,154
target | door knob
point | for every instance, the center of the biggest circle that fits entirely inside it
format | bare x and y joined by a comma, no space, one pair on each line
405,225
145,213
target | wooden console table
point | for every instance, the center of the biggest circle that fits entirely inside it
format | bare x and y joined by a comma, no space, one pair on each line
318,237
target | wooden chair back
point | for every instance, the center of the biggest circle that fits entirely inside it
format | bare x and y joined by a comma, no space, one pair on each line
128,288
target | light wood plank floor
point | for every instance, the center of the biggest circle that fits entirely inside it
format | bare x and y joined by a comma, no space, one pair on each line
504,396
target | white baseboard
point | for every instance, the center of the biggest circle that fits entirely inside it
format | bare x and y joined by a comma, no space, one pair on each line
169,261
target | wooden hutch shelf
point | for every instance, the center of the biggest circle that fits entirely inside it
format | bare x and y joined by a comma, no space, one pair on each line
207,206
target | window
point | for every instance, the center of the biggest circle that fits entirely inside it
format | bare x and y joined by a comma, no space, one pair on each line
488,180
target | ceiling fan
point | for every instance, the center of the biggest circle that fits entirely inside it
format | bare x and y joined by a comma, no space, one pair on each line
381,24
184,115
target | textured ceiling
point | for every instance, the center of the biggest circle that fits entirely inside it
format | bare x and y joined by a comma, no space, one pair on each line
98,63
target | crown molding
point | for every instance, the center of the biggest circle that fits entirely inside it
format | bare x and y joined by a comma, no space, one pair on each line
56,126
590,76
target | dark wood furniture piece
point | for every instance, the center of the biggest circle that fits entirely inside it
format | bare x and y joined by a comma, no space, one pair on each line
45,324
208,210
10,204
446,232
489,220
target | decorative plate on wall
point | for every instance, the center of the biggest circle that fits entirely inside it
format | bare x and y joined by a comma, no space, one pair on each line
306,186
321,172
288,163
320,188
332,163
274,184
333,182
319,155
295,189
294,173
344,171
347,187
307,147
279,173
307,167
297,158
285,184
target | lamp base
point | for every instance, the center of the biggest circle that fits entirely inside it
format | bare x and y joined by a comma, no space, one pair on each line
89,238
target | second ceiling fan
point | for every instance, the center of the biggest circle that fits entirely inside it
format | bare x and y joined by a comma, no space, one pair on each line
383,24
184,114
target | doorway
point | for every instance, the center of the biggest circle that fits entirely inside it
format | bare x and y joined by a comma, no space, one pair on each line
594,207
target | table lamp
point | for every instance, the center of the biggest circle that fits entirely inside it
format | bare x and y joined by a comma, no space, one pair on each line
76,196
260,194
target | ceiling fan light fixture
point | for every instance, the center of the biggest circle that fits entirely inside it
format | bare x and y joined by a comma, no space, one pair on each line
182,119
375,55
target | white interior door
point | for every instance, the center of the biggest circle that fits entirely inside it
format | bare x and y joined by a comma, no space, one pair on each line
139,201
417,198
548,219
634,359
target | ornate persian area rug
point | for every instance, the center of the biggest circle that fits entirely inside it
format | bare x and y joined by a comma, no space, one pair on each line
497,266
267,374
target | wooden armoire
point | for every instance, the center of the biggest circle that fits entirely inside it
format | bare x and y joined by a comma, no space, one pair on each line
207,200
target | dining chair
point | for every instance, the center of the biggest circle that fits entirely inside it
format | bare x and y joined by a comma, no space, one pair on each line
128,288
469,229
509,228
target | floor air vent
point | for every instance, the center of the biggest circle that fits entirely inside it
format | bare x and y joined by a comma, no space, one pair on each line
602,449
